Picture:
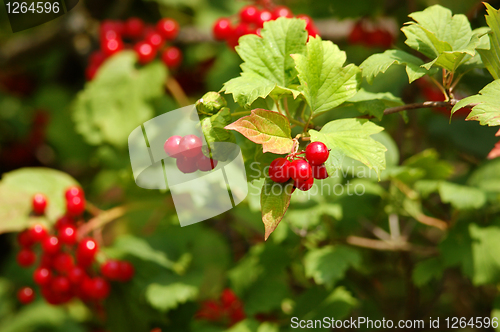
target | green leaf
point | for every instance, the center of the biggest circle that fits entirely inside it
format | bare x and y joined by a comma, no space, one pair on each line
491,56
427,270
271,129
487,110
461,197
374,103
31,317
324,81
487,177
274,201
17,189
167,297
429,162
214,132
268,67
379,63
351,138
117,100
328,265
485,248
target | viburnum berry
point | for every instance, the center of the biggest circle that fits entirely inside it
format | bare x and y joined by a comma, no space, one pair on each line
75,206
26,295
222,29
38,233
96,58
74,191
39,203
64,221
278,170
127,271
87,249
111,46
171,146
205,163
42,276
171,57
154,39
300,170
304,185
282,11
25,239
357,34
263,17
47,260
249,14
190,146
91,71
67,235
60,284
99,288
111,269
51,245
317,153
168,28
228,298
26,257
145,52
76,275
187,165
134,27
319,172
63,262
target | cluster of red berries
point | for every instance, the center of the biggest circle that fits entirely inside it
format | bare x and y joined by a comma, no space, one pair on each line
227,310
301,170
251,21
147,41
59,277
369,34
188,154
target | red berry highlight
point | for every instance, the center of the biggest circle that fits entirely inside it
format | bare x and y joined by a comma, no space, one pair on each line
317,153
26,295
172,57
39,203
300,170
168,28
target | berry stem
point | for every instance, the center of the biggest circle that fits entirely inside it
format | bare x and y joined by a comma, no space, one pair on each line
440,87
177,92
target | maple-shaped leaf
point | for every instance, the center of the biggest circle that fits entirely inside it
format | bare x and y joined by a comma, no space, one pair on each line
495,153
269,128
487,108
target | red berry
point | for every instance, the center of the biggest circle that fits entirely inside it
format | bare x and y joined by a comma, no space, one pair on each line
222,29
87,248
317,153
39,203
38,233
187,165
357,34
319,172
168,28
154,39
206,164
74,191
134,27
111,46
26,257
249,14
304,185
25,239
42,276
111,269
99,288
26,295
60,284
172,57
67,235
47,261
306,18
171,146
75,206
380,38
63,262
300,170
278,170
190,146
145,52
51,245
127,271
91,71
63,222
96,58
263,17
76,275
228,298
241,30
282,11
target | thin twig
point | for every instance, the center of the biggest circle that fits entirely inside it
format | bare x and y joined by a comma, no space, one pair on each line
101,220
389,246
177,92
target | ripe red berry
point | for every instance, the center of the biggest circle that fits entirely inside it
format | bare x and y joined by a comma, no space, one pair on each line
26,295
109,25
39,203
278,170
241,30
379,38
74,191
26,257
319,172
63,262
317,153
96,58
99,288
357,34
304,185
205,164
42,276
46,260
187,165
76,275
111,46
54,298
168,28
127,271
228,298
300,170
67,235
282,11
190,146
263,17
145,52
134,27
51,245
38,233
249,14
60,284
75,206
222,29
91,71
111,269
87,249
25,239
63,222
171,57
154,39
171,146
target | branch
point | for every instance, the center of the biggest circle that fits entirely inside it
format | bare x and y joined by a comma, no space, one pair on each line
100,220
389,246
